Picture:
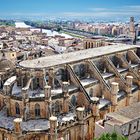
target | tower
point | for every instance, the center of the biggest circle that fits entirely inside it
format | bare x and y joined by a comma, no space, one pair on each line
132,30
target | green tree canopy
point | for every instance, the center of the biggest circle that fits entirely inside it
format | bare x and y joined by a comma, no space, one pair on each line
113,136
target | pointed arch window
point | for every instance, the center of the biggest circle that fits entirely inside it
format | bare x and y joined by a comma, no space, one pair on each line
17,109
73,100
37,110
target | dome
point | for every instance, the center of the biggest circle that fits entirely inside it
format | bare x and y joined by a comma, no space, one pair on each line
6,64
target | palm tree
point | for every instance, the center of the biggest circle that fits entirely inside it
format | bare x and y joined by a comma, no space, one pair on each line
113,136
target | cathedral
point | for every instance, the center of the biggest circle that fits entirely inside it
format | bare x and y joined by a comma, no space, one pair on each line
61,97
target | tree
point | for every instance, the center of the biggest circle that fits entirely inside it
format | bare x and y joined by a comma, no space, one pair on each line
59,29
113,136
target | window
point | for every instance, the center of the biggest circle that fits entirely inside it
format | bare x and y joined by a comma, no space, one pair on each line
17,109
73,100
83,70
37,80
91,45
76,70
91,92
62,74
57,107
37,110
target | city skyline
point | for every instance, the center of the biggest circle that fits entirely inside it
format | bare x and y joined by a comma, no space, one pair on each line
116,9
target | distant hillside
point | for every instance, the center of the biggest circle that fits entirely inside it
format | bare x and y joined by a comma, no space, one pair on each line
7,22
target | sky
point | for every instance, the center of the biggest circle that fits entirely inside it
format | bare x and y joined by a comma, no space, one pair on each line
101,9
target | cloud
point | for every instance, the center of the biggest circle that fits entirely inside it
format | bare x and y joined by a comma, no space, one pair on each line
132,10
24,14
126,11
132,6
95,12
98,9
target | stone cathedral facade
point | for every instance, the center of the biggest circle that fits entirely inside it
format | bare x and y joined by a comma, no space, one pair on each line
61,97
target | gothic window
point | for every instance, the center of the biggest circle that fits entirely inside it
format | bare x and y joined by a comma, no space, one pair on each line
57,107
17,109
24,80
115,61
82,70
73,100
57,83
91,92
86,45
47,78
37,80
35,83
53,108
100,66
76,70
62,75
37,110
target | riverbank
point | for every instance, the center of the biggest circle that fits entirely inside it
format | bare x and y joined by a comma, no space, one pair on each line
48,32
72,34
21,25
